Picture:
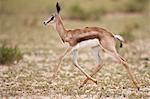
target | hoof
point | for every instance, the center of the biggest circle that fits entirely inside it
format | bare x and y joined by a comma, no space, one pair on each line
80,86
95,81
138,88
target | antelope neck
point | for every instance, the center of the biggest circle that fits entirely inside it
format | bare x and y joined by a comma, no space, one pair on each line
60,28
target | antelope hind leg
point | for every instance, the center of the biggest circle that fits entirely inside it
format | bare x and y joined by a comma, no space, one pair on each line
96,54
75,62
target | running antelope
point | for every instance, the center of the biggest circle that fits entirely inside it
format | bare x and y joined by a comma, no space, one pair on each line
95,37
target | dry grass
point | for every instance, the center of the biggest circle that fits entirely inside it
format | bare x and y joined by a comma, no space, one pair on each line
31,77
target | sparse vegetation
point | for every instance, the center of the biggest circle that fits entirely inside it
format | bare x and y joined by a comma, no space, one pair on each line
77,12
128,36
21,23
136,5
128,31
8,55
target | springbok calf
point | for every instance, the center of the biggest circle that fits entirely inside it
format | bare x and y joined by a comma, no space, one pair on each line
95,37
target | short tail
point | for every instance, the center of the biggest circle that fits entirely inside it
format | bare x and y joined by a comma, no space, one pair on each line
120,38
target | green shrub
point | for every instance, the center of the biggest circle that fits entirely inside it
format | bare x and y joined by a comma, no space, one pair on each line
128,36
129,29
136,5
8,55
77,12
96,13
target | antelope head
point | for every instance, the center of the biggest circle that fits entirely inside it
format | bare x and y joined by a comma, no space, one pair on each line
53,17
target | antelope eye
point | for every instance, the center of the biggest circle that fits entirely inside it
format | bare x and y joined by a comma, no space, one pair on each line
52,18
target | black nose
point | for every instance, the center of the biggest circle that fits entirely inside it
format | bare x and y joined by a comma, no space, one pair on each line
44,23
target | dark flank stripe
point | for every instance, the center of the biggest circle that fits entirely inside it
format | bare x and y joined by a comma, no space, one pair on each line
87,38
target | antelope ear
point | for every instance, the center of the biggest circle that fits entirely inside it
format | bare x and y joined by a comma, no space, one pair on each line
58,7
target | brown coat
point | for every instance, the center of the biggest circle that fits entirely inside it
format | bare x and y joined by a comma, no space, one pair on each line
79,35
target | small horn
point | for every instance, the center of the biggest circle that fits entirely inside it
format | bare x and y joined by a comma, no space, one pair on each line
58,7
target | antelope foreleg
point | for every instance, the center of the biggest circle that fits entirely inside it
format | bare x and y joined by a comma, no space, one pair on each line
59,61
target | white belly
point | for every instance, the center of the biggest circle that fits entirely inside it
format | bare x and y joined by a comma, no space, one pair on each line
87,43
